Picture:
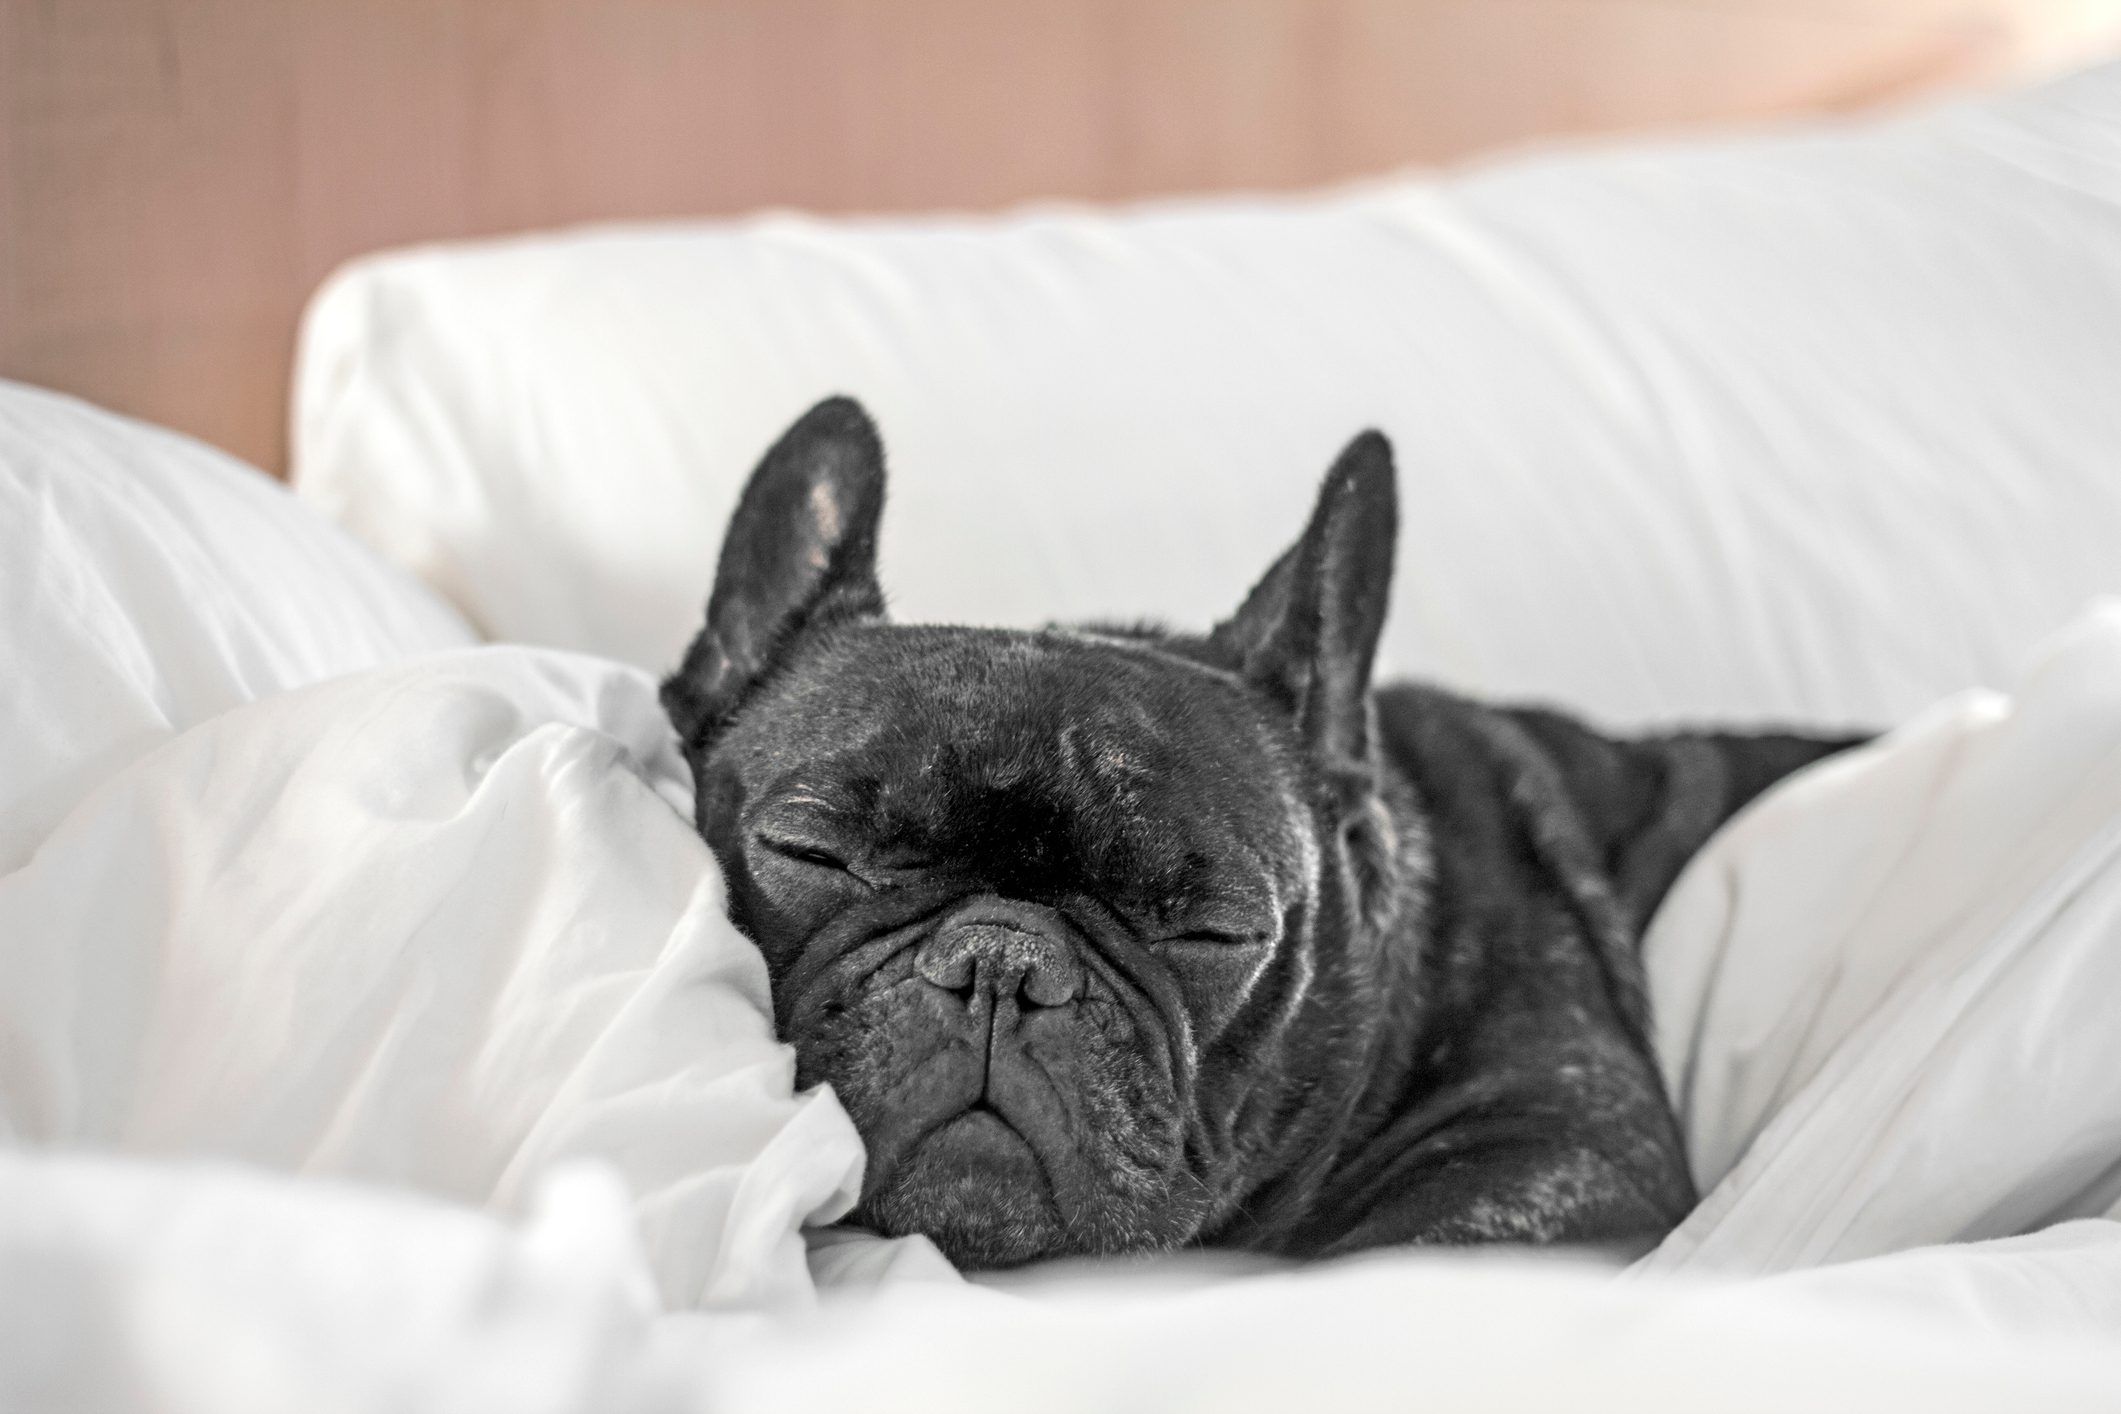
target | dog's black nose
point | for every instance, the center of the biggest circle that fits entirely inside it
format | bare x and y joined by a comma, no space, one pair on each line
1002,951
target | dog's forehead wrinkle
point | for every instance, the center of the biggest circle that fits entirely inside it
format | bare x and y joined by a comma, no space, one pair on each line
1115,778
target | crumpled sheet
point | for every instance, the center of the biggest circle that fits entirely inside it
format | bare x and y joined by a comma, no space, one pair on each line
432,926
1886,996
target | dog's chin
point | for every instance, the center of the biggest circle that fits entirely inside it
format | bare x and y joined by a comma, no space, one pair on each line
974,1188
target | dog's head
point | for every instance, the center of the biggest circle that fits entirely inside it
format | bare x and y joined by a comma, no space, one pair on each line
1081,925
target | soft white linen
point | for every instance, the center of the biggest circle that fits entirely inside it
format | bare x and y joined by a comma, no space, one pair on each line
1409,1332
213,1289
1886,995
442,926
186,1289
147,582
1819,425
429,925
434,943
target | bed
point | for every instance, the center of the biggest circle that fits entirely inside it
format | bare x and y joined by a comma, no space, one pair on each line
371,1035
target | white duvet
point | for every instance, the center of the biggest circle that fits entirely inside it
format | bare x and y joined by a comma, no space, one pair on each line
371,1038
429,926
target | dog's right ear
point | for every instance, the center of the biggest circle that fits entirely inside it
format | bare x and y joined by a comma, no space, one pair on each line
800,556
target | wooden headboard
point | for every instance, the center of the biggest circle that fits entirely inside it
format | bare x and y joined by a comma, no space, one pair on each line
177,175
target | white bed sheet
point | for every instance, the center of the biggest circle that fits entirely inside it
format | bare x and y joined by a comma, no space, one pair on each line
183,1288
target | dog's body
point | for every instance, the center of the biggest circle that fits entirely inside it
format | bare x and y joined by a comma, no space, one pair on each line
1125,939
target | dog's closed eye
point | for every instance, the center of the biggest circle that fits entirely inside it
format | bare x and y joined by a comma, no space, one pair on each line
805,852
1208,937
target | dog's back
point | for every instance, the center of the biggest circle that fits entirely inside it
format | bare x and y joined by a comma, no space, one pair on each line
1524,1023
1640,805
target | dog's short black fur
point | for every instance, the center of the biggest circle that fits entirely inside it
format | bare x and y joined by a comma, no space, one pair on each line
1118,939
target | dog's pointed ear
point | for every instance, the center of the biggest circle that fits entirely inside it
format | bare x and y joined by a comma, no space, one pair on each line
1307,633
800,556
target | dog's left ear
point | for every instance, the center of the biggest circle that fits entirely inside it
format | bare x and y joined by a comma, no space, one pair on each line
800,556
1308,631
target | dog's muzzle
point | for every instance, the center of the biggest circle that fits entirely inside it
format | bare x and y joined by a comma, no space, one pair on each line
997,955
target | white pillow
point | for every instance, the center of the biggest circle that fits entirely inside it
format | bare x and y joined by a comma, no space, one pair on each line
1812,425
148,582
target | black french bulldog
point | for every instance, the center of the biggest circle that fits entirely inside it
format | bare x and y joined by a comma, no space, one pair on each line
1115,938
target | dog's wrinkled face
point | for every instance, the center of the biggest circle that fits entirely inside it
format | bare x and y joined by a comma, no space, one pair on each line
1060,915
1009,885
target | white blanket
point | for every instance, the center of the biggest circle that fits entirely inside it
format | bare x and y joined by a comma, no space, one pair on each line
1886,996
442,926
430,926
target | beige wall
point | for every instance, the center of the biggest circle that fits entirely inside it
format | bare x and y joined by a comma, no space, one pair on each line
176,175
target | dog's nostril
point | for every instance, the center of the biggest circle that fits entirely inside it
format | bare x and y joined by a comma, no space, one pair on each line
1054,982
950,969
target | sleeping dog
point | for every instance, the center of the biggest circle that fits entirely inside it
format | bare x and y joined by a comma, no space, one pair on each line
1114,939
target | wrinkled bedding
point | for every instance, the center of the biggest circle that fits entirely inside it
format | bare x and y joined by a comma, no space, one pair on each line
371,1038
1886,995
440,928
429,926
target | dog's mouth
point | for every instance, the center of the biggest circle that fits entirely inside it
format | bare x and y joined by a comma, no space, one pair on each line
982,1142
975,1185
981,1136
1005,1130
